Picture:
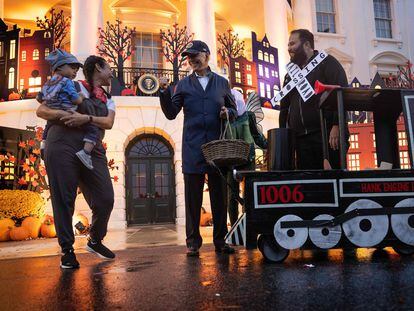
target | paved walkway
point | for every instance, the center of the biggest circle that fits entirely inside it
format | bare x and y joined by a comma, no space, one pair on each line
135,237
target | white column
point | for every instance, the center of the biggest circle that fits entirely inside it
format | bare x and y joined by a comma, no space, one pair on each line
86,18
201,22
276,27
2,9
303,14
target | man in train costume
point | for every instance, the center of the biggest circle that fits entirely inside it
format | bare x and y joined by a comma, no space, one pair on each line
303,117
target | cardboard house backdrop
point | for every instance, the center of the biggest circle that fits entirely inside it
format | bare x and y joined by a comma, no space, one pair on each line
22,60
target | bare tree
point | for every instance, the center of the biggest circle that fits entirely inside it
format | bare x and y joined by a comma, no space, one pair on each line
230,46
57,23
404,78
174,43
115,45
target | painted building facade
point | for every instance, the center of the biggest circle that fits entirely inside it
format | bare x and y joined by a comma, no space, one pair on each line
34,70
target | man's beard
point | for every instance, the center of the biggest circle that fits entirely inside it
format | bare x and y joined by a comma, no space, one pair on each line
299,56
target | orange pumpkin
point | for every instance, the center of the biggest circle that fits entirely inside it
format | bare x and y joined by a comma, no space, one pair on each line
19,234
82,218
6,223
205,218
48,230
14,96
33,225
48,218
4,235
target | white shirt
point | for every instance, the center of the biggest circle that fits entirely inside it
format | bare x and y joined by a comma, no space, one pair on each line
109,103
203,80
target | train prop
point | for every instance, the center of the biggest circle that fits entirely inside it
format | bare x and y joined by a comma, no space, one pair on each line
324,209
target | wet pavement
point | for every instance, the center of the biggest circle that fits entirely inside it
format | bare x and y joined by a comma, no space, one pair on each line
163,278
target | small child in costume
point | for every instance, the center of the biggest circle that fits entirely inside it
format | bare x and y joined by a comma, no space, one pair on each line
60,93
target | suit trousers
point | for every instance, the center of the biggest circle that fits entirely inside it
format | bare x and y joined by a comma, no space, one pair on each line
66,173
193,185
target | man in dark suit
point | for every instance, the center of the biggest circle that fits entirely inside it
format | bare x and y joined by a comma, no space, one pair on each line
205,98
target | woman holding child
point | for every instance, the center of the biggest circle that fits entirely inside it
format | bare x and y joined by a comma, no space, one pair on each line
65,138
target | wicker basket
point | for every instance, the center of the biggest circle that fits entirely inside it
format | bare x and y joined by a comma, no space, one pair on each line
226,152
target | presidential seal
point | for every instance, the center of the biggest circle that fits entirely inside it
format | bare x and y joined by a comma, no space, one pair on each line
148,84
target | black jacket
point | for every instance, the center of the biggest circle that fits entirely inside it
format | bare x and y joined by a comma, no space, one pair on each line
201,116
303,118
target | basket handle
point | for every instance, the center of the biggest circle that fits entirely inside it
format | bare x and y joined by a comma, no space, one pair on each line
223,134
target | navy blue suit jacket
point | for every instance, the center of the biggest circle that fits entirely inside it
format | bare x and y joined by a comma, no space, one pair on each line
201,116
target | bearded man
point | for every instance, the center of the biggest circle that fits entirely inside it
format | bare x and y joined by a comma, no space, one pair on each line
303,117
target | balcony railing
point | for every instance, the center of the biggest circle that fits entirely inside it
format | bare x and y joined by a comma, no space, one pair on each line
131,76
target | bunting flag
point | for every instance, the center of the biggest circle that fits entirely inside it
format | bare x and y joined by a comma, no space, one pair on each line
237,233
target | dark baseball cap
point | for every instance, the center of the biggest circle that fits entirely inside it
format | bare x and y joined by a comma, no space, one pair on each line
195,47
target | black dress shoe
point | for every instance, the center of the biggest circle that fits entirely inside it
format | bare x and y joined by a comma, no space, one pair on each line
192,251
225,249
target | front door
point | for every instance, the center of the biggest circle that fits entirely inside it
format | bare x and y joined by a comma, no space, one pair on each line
150,190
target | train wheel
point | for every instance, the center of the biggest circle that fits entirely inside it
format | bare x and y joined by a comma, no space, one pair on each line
366,231
325,237
403,224
290,238
271,250
404,250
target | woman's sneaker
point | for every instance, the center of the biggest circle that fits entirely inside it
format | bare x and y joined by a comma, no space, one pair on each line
85,158
99,249
68,260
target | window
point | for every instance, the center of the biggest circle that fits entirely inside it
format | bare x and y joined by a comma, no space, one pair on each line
262,89
356,84
272,59
1,48
402,139
353,140
373,140
21,85
237,65
23,56
238,77
47,51
382,13
266,57
35,54
276,74
261,70
353,162
249,67
404,160
35,84
47,35
12,49
8,170
267,72
249,79
375,160
148,50
325,16
268,94
260,55
12,75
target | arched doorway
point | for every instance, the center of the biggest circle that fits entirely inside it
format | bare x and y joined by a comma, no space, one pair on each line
150,189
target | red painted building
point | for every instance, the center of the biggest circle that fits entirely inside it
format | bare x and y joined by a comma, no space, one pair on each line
243,75
34,70
362,155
